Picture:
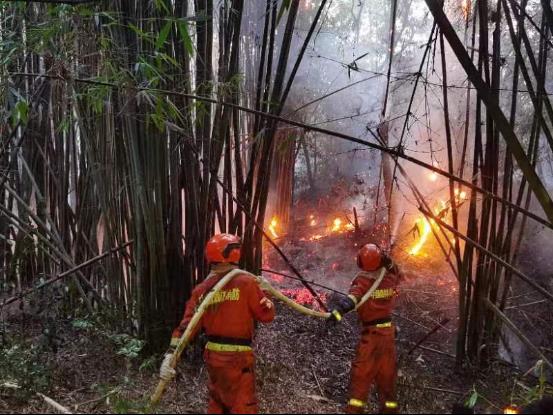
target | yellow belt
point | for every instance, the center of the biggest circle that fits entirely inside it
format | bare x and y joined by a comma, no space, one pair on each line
383,325
218,347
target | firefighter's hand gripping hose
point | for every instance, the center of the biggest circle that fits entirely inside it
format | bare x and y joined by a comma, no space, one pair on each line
266,286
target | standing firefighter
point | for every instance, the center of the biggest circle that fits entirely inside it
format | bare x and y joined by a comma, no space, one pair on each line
229,325
375,360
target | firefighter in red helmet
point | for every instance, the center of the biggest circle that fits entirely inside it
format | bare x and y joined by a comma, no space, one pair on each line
375,360
229,325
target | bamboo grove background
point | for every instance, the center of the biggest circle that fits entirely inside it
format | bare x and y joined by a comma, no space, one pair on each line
104,146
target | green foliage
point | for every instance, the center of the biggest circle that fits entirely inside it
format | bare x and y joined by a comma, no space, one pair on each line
82,324
149,364
472,399
526,394
20,113
162,6
283,8
122,405
96,96
185,37
129,346
23,367
162,35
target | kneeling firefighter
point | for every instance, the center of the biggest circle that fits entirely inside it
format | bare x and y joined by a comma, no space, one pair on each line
375,360
229,325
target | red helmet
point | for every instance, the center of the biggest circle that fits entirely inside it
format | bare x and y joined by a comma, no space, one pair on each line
223,248
369,257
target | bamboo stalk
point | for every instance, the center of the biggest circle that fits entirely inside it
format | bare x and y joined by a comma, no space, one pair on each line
65,274
307,127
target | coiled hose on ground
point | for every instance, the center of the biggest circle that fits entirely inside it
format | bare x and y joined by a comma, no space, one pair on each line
266,286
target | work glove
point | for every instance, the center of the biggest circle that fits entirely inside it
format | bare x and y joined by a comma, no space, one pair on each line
340,307
388,263
266,303
166,372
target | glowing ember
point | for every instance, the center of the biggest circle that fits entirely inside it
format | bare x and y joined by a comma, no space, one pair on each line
272,227
315,237
336,225
304,297
277,278
511,409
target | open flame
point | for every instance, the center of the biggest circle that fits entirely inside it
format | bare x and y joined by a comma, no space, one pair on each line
321,228
424,233
272,227
511,409
465,7
423,225
336,225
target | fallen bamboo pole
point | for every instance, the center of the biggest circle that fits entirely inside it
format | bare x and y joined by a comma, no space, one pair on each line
59,408
430,333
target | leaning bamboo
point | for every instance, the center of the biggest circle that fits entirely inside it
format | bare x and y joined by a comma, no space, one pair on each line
392,151
59,408
518,333
65,273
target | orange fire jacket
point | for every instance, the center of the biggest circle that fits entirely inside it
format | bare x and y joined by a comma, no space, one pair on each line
382,301
232,312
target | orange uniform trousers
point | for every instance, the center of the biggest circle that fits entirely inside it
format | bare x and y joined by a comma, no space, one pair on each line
231,382
375,363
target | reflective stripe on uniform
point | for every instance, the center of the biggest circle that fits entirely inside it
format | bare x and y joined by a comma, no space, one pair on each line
356,402
383,293
218,347
390,404
353,298
384,325
337,315
174,342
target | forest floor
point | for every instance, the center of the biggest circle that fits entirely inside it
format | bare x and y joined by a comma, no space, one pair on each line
302,364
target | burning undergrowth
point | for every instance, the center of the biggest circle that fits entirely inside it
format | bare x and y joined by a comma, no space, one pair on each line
325,231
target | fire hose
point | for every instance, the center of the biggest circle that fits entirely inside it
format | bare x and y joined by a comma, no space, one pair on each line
264,285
